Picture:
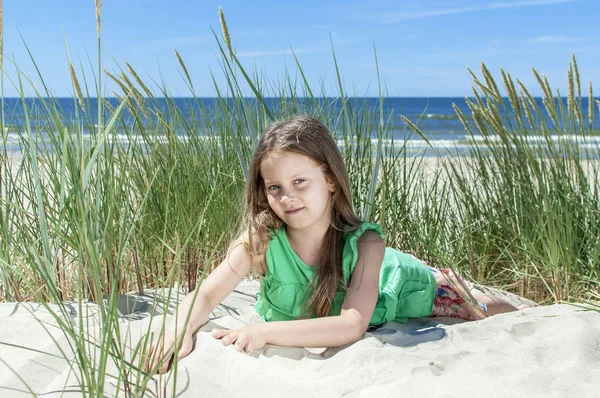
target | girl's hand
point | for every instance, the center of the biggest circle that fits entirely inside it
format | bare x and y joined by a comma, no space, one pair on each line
248,338
161,352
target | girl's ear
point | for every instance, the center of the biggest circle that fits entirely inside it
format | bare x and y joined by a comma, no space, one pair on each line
331,184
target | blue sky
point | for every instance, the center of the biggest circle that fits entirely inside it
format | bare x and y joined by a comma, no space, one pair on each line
424,47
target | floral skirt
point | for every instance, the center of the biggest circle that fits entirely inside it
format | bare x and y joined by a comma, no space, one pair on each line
447,301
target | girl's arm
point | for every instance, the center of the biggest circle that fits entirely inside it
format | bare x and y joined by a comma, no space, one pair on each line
214,289
198,305
357,309
332,331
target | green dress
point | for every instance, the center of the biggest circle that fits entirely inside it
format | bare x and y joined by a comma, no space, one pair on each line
406,285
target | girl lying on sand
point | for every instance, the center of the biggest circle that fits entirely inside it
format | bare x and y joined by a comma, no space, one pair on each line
326,275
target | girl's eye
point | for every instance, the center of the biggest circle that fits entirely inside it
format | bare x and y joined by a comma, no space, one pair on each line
273,187
299,180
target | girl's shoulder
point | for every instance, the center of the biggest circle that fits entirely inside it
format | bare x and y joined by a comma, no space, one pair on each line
352,243
351,236
253,246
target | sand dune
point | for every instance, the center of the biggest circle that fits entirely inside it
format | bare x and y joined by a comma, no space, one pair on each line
540,351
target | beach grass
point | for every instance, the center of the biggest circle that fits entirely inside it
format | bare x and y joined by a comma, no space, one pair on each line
141,196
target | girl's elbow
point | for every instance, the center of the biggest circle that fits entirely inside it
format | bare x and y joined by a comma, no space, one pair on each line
356,333
358,327
361,329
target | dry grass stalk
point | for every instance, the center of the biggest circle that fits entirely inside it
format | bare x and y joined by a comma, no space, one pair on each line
76,86
185,71
137,96
491,84
225,31
575,107
116,80
98,11
548,99
591,106
543,82
117,96
527,110
462,118
570,91
134,91
547,83
108,105
478,97
138,80
576,70
478,84
479,123
512,93
530,99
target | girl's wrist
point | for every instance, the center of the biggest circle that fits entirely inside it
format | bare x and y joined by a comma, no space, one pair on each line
263,329
181,327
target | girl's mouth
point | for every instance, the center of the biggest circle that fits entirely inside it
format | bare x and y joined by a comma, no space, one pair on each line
294,211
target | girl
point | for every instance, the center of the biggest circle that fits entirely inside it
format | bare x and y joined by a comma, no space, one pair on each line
326,273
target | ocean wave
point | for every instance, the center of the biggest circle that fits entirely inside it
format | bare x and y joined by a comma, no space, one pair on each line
437,116
592,139
590,142
14,140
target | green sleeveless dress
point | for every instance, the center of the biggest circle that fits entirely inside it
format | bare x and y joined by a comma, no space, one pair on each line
406,285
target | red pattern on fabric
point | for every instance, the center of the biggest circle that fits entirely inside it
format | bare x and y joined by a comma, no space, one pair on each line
447,302
448,305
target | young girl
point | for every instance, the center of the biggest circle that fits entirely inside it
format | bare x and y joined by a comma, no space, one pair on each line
326,275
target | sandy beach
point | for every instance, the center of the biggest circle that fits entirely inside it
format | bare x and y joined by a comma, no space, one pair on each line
540,351
295,142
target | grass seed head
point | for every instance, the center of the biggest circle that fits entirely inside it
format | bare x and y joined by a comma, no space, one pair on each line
77,86
576,74
116,80
98,21
570,91
225,31
185,71
139,81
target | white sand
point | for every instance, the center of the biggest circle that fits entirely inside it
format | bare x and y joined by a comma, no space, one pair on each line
541,351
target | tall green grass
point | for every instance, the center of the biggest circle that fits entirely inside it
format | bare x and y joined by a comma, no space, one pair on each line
87,217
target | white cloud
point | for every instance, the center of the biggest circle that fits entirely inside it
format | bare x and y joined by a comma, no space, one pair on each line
401,16
269,53
555,39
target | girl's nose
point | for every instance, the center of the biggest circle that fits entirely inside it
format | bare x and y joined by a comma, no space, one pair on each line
286,198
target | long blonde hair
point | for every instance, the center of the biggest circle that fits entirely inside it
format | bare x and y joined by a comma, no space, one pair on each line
307,136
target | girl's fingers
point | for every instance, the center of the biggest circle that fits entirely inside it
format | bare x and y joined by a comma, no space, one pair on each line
162,358
241,343
146,358
165,366
185,349
152,356
219,333
227,336
156,358
230,338
150,368
160,355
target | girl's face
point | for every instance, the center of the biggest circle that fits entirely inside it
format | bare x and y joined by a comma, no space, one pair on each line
297,190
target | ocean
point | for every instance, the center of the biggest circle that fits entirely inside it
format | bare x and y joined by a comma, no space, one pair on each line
435,117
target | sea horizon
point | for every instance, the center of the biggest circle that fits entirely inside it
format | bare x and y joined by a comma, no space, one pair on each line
436,117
